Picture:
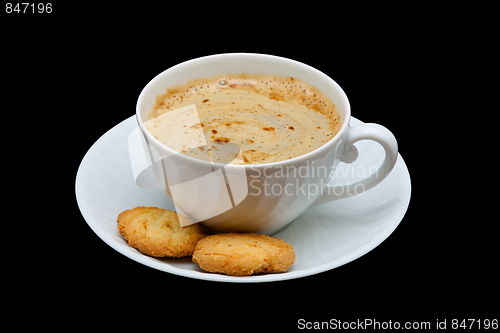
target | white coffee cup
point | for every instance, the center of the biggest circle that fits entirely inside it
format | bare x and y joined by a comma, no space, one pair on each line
258,198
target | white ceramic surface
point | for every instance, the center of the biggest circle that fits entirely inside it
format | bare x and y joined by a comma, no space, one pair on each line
324,237
270,195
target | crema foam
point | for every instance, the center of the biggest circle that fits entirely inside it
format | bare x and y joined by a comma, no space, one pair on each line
251,119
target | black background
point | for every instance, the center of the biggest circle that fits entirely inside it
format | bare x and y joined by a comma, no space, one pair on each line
72,76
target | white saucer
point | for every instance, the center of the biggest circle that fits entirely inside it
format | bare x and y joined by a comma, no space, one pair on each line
324,237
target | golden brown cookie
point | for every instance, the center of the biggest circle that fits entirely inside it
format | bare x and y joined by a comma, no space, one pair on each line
241,254
157,232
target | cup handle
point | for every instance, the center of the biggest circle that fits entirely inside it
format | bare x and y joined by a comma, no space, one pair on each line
374,132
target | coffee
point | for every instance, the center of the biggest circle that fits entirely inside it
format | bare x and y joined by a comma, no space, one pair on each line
253,118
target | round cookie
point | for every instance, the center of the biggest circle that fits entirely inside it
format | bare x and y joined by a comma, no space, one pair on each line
242,254
157,232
